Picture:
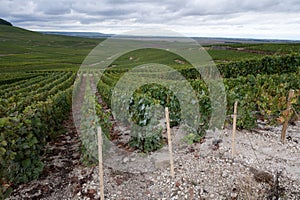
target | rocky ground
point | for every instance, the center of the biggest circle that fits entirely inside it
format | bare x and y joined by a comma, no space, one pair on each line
262,168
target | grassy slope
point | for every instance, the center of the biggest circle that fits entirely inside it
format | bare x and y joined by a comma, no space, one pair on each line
252,51
145,56
230,55
23,50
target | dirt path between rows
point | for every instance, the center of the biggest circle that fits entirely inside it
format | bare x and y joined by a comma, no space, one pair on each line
203,171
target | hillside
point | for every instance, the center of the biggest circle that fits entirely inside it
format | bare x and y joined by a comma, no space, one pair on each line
79,34
3,22
24,50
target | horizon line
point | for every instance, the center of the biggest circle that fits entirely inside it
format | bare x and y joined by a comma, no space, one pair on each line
205,37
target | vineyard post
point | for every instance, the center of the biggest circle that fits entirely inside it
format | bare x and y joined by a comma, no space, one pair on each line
287,116
169,142
234,129
100,163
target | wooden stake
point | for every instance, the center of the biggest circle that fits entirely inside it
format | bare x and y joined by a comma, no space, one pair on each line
100,163
287,116
169,142
234,129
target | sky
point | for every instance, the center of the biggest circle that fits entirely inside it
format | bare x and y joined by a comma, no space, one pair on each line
271,19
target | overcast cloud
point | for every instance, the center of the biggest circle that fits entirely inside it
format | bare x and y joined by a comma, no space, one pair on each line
213,18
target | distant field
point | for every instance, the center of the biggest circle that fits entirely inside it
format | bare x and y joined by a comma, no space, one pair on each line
278,48
22,50
220,56
235,52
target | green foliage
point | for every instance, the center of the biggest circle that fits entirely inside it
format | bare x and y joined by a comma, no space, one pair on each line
147,143
192,138
88,126
220,56
262,48
277,48
263,97
266,65
15,101
104,119
147,96
23,134
260,96
105,91
8,78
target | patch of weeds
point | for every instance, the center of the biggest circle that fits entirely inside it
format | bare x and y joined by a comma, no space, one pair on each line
191,138
147,142
87,158
194,136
